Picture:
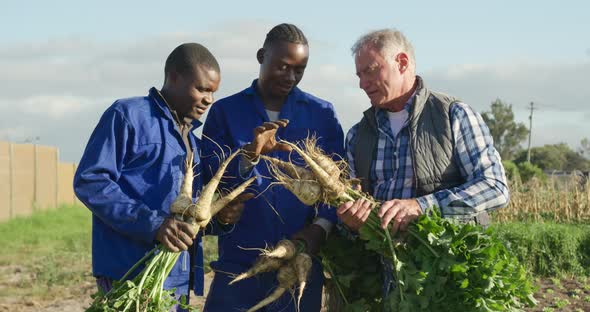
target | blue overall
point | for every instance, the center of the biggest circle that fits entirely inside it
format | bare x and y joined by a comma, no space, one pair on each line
276,213
130,173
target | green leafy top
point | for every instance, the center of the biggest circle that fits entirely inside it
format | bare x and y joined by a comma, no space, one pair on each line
442,265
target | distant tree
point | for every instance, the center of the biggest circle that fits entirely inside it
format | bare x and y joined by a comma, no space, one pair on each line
548,157
511,170
527,171
555,157
507,133
575,161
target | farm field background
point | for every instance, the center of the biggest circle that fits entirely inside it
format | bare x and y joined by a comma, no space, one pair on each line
45,260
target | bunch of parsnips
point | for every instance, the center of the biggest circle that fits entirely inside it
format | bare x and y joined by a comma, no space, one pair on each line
292,265
438,265
145,292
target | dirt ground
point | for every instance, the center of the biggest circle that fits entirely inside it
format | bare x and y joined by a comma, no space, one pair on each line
553,295
77,301
563,295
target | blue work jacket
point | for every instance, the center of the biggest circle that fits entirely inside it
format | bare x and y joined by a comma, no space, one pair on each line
276,213
129,175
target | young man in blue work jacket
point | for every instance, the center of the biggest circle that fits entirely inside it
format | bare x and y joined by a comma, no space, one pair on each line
133,166
250,119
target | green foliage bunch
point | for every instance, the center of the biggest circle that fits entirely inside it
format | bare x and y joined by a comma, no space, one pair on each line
442,265
355,275
144,292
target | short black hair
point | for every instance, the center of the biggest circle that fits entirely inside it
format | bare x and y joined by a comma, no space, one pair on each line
285,32
184,58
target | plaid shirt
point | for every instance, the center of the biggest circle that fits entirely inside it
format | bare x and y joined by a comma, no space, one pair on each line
392,175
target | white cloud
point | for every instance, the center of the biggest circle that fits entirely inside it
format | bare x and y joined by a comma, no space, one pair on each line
559,91
54,106
58,89
553,86
13,133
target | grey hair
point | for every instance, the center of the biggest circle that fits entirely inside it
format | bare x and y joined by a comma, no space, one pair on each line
389,42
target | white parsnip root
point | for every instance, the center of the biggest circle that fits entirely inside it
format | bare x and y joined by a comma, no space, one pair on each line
292,264
308,191
262,264
201,212
287,278
334,190
302,264
184,199
333,168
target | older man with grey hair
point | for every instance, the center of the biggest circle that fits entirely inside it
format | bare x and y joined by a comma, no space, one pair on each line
415,148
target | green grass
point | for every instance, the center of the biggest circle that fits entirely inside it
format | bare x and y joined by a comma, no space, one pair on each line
209,251
549,249
66,229
49,253
45,254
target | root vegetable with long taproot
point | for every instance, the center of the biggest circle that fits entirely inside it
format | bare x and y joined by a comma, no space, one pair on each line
302,264
184,200
287,278
201,211
148,285
262,264
223,201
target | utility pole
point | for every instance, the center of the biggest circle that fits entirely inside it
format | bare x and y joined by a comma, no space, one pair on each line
528,153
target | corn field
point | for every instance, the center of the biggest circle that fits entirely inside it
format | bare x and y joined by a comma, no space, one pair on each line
553,200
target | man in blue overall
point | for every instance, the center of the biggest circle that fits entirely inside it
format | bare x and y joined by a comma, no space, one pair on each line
272,101
133,166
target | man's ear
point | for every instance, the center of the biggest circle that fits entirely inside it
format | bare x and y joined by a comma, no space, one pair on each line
260,55
172,76
403,62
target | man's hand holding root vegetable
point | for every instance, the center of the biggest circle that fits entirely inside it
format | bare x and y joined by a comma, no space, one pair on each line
176,235
399,211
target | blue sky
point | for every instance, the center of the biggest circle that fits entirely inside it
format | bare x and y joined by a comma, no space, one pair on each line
63,62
